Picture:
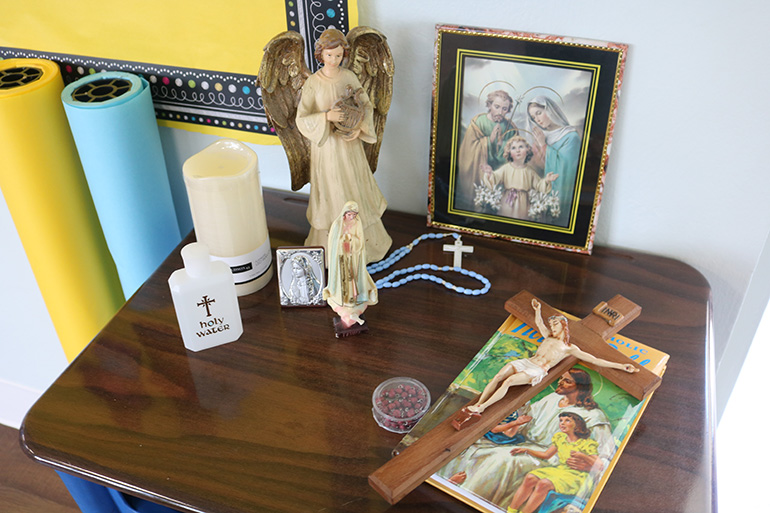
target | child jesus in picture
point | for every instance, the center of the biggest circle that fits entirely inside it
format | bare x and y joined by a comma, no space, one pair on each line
530,371
573,436
518,177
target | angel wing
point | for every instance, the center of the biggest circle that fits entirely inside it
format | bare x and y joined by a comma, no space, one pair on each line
371,61
281,76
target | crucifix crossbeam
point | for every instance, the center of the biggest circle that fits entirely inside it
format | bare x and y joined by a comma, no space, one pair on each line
428,454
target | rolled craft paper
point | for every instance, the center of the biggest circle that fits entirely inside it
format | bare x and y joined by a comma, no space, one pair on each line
47,195
228,211
113,122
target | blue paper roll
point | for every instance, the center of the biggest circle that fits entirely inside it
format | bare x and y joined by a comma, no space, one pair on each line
113,123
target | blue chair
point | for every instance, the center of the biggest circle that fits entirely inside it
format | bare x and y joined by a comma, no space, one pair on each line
93,498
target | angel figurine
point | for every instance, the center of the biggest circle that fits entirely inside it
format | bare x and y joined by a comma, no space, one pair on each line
323,118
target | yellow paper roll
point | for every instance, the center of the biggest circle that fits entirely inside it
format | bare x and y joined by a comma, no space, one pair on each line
47,195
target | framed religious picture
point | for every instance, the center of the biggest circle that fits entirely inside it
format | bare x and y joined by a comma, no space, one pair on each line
301,277
521,132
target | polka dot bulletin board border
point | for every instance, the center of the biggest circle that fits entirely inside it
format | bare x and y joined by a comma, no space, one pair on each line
206,98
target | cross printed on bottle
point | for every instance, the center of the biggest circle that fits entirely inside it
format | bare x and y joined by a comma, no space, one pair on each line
205,302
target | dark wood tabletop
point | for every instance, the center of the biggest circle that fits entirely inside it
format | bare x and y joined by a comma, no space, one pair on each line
281,419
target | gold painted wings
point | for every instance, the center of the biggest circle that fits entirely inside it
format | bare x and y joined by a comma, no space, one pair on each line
281,76
370,59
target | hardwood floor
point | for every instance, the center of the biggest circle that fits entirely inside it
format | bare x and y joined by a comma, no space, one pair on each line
26,486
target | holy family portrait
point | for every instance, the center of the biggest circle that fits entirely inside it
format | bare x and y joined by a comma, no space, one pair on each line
518,141
520,134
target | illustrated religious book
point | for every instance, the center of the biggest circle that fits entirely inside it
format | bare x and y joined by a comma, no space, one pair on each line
570,434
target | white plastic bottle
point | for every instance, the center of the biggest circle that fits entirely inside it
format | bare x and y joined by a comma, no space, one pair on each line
205,300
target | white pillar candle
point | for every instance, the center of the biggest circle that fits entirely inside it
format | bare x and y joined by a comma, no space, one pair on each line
228,211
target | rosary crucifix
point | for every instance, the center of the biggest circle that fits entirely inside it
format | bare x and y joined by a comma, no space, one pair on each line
458,249
433,450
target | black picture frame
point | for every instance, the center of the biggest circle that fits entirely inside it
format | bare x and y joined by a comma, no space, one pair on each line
581,77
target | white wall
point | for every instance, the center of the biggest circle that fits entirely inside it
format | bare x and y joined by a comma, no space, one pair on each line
30,354
686,178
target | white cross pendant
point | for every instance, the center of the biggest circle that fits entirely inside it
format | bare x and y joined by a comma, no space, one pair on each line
458,249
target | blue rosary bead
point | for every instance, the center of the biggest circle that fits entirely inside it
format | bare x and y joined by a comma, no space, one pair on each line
400,253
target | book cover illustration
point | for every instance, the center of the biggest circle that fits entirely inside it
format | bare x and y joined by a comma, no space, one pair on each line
555,453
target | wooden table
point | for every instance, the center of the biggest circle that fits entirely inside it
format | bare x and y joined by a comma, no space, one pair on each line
281,420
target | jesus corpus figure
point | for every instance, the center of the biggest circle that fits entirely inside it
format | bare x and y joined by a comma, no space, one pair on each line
554,348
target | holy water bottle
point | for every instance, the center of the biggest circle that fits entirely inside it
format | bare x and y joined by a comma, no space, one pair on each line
205,300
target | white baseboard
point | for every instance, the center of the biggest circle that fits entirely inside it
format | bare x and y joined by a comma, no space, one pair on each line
15,402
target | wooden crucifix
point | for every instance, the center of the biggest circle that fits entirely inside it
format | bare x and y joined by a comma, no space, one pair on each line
429,453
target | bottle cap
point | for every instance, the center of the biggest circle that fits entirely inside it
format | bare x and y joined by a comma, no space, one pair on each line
196,259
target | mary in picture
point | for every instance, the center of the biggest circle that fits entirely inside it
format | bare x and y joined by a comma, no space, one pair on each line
556,148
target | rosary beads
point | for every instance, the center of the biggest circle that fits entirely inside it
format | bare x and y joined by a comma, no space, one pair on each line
412,273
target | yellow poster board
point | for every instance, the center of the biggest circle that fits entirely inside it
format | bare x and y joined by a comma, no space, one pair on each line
201,58
48,197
